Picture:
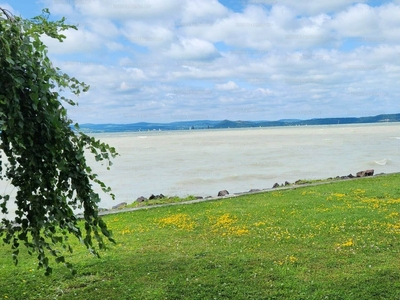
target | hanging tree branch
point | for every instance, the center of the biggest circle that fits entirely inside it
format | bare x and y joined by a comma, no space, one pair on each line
46,157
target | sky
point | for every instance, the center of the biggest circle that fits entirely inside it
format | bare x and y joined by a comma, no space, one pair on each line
180,60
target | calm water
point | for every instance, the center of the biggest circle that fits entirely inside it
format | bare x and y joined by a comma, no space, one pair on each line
205,161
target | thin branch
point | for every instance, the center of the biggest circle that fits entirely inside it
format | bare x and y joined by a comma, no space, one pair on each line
7,13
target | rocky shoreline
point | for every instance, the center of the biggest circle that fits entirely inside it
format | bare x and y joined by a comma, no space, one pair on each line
224,193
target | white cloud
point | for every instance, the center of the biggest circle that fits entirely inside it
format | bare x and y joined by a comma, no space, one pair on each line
103,27
358,20
151,36
192,49
76,41
264,92
310,7
202,11
229,86
130,9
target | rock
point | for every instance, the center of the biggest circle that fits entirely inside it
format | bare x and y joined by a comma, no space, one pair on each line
350,176
254,190
369,172
276,185
120,205
287,183
141,199
298,181
198,197
208,197
360,174
223,193
365,173
153,197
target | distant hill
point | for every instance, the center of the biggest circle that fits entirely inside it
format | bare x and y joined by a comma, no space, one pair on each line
207,124
320,121
143,126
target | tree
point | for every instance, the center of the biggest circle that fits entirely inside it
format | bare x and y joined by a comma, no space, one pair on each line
44,154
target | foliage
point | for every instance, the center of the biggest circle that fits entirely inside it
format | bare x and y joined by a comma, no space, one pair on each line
44,155
331,241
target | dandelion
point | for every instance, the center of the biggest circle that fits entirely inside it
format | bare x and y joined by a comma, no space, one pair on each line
257,224
180,221
224,224
348,243
289,259
359,192
338,195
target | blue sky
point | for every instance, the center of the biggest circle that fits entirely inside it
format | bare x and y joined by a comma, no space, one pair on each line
176,60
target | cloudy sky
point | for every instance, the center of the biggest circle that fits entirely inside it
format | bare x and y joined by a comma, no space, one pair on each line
176,60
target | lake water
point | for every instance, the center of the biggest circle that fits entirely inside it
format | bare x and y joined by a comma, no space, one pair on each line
203,162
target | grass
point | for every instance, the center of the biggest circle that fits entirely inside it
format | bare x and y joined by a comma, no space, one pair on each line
334,241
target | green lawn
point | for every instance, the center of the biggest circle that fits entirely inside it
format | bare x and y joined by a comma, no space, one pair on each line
332,241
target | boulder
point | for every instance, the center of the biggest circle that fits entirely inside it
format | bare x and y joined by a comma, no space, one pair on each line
223,193
120,205
198,197
287,183
141,199
276,185
254,190
365,173
153,197
369,172
350,176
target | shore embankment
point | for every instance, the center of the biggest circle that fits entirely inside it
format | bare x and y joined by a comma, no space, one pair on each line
300,184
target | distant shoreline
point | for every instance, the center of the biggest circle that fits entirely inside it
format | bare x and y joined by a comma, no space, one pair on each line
228,124
145,133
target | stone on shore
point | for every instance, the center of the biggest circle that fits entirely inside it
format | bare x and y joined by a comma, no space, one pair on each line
120,205
365,173
141,199
154,197
223,193
276,185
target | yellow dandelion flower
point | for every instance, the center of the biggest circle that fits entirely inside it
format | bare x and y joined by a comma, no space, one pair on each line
348,243
180,221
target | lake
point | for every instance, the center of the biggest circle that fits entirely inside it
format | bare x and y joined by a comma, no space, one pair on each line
203,162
